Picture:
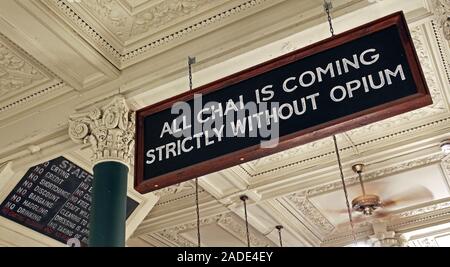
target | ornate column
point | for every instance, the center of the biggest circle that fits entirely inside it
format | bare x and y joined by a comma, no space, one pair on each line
110,132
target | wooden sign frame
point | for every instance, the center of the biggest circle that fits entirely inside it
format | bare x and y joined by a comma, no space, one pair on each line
420,99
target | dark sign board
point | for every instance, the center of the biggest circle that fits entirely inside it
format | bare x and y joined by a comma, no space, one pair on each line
54,198
358,77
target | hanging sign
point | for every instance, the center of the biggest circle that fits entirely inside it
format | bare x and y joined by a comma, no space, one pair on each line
358,77
54,198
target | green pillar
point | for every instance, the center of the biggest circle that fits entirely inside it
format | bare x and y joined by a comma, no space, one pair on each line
110,132
108,209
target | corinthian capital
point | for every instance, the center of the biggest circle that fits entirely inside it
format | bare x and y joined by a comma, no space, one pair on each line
109,130
442,13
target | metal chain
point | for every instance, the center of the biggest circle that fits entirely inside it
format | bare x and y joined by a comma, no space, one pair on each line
191,61
244,199
279,228
344,187
198,212
328,6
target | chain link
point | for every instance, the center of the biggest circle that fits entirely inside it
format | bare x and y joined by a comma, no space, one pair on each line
198,212
344,187
191,61
328,6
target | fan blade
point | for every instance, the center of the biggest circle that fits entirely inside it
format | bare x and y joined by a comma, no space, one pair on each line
380,214
388,203
360,219
339,211
355,220
376,186
419,193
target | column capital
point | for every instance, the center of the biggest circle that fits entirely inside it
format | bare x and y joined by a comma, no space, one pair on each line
110,130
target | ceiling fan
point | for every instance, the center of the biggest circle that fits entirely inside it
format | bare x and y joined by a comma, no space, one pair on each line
369,205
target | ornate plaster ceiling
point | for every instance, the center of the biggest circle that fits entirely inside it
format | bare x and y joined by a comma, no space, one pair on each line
394,168
66,56
22,77
129,31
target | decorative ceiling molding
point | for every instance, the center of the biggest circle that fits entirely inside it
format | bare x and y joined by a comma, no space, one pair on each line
298,150
125,25
117,55
423,242
428,215
369,176
445,165
22,77
229,222
134,6
176,206
177,192
235,226
16,74
443,48
423,210
418,217
434,236
173,234
311,213
322,143
175,189
30,97
442,12
307,148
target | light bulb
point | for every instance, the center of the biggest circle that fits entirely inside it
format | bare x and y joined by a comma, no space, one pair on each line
445,147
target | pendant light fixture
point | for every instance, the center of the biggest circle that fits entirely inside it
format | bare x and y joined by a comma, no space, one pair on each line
279,228
445,147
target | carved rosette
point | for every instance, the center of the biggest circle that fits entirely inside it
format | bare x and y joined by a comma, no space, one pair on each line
109,130
442,12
